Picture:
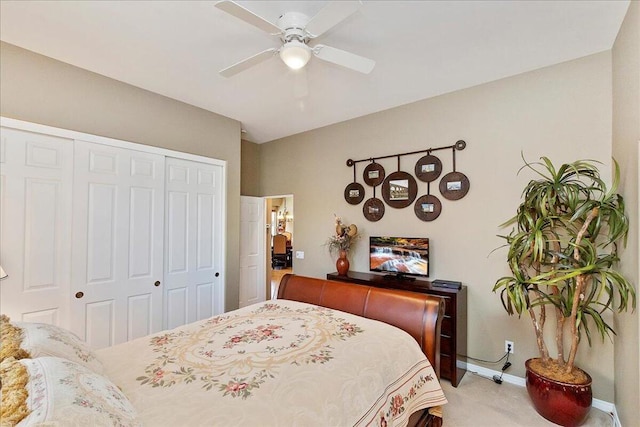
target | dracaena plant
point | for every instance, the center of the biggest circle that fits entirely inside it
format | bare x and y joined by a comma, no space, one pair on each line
563,253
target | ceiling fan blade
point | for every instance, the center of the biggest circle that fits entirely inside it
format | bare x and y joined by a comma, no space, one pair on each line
330,15
233,8
248,63
344,58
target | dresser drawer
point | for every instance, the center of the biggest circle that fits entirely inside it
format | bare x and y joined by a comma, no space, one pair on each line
448,305
446,327
446,345
445,366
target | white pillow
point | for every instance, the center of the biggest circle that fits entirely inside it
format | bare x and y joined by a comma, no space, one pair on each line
61,392
42,339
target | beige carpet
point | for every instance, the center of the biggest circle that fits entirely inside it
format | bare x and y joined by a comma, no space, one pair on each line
479,402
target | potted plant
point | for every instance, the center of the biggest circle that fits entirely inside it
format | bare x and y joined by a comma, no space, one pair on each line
562,255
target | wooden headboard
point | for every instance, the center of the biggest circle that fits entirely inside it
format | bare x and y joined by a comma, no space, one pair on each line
418,314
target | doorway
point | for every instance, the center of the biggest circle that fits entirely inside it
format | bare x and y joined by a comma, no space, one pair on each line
280,222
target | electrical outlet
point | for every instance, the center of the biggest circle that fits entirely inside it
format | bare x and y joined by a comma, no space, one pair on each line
508,347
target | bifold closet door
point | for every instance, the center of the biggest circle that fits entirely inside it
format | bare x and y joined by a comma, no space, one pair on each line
35,226
194,274
117,267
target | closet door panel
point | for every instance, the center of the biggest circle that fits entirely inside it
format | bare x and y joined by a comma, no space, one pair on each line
194,269
101,237
141,233
177,232
118,262
206,293
43,316
176,303
177,271
100,325
140,319
40,234
206,238
35,225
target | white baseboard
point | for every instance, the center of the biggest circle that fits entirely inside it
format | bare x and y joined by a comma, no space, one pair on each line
602,405
616,420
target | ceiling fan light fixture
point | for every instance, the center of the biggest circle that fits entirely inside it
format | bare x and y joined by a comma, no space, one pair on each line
295,54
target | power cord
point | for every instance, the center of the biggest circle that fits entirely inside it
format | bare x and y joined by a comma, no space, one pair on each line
498,378
486,361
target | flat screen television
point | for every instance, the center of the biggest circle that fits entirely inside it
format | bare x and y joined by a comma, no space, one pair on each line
399,256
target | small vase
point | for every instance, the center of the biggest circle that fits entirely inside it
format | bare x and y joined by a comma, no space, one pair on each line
342,264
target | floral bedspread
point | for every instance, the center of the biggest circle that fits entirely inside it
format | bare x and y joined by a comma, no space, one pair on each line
275,363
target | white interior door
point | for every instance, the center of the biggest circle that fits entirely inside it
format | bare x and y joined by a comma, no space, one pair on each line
194,241
252,251
117,244
35,225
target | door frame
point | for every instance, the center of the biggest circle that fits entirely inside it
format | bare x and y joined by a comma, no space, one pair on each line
267,266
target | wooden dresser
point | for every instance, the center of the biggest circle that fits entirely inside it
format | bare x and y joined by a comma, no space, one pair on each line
453,335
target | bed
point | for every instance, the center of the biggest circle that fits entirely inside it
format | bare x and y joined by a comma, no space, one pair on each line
321,354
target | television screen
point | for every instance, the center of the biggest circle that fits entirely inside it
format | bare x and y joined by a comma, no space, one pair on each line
399,255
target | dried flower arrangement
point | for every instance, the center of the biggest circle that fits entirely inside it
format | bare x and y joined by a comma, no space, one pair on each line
344,237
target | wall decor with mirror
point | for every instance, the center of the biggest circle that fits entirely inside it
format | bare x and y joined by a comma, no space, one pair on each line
400,188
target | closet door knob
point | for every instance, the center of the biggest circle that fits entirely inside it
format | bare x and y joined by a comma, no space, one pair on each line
217,274
157,283
79,295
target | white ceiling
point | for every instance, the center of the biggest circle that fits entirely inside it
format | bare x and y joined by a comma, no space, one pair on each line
421,49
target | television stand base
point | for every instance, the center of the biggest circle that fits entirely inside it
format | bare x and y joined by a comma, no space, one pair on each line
400,277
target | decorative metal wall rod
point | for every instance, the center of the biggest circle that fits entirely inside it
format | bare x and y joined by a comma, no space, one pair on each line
459,145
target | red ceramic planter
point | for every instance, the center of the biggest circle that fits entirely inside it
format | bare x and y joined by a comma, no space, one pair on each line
561,403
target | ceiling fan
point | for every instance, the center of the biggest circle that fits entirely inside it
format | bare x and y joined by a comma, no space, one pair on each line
295,31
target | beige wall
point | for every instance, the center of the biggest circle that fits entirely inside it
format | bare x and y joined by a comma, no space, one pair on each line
626,137
250,167
38,89
563,112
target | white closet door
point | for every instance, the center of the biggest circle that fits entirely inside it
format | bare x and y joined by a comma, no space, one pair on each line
35,225
194,274
253,286
117,244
